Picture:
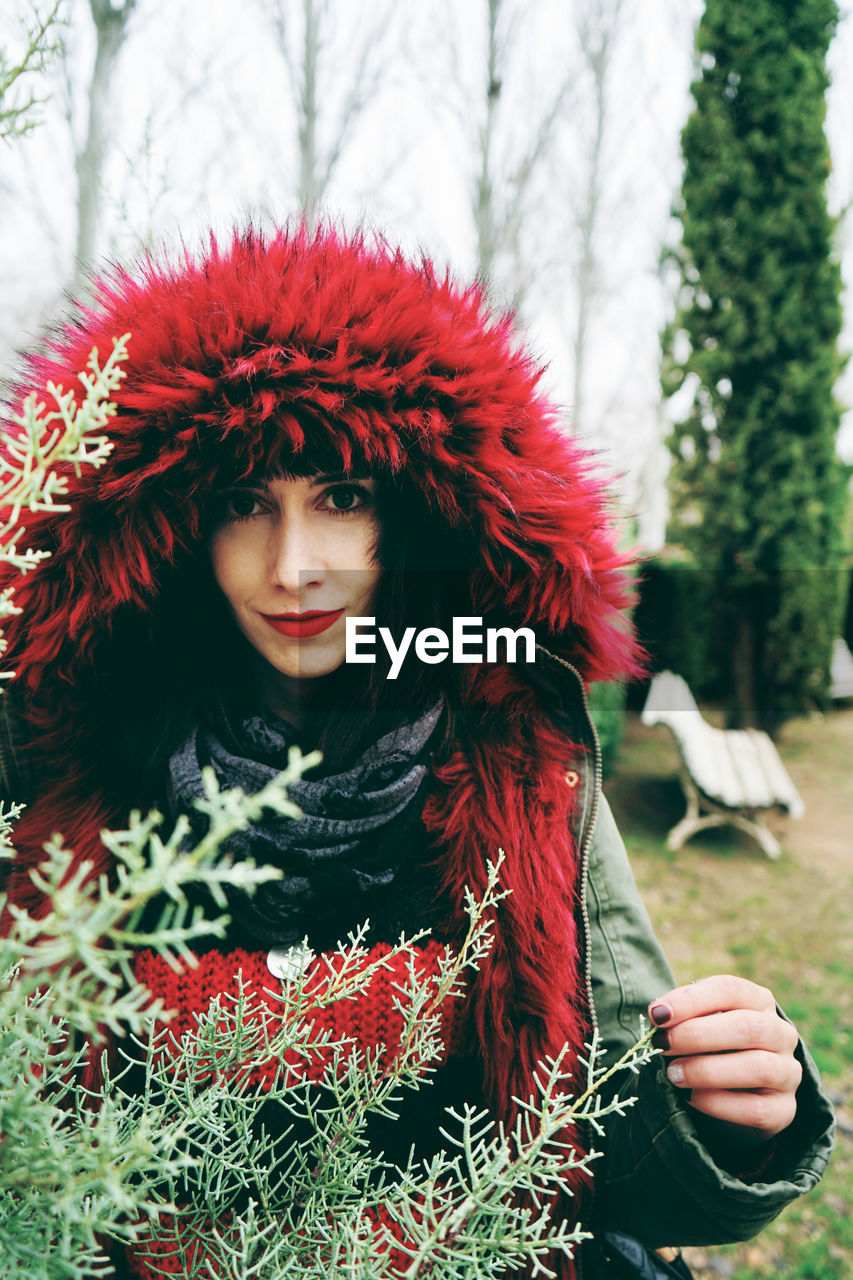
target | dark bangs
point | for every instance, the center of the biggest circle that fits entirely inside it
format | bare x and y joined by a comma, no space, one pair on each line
188,656
293,445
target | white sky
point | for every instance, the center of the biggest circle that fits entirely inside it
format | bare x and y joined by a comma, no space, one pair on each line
203,133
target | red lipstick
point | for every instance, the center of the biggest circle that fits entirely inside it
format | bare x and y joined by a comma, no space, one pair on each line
301,625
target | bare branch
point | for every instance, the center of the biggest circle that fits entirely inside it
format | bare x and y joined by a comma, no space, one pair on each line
365,84
485,219
111,26
16,118
504,172
597,24
326,115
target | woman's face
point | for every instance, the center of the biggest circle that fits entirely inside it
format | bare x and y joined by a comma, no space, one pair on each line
294,557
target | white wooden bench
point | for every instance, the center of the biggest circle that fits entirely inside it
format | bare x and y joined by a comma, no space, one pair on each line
731,774
841,671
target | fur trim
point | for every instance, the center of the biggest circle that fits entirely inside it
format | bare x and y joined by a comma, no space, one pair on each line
231,356
264,349
505,788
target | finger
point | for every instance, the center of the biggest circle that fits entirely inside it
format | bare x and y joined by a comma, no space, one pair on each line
724,1032
766,1113
709,995
752,1070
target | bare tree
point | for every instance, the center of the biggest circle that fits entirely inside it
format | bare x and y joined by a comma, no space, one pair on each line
597,23
331,85
110,169
650,500
40,44
499,220
486,221
508,133
111,26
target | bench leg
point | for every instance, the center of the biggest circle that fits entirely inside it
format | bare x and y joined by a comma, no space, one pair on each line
693,822
759,832
690,824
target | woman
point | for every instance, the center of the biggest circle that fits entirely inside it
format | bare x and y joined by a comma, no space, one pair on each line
311,431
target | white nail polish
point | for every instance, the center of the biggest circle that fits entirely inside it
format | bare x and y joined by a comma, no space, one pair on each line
675,1073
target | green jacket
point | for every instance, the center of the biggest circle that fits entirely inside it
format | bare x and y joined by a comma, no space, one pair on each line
656,1178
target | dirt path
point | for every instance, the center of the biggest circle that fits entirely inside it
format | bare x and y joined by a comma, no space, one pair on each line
819,756
719,903
818,753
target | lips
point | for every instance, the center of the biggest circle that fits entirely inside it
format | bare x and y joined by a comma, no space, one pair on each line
301,625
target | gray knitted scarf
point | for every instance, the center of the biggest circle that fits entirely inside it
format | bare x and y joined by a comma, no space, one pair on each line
341,859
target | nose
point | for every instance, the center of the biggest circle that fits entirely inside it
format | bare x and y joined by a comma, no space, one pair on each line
296,557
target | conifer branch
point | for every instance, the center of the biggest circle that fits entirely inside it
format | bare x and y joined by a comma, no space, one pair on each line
173,1149
40,448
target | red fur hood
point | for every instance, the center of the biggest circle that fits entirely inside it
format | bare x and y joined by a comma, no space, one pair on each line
231,357
233,353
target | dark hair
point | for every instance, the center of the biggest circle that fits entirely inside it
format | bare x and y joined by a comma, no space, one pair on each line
190,659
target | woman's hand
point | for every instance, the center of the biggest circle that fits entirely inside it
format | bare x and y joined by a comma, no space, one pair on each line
728,1046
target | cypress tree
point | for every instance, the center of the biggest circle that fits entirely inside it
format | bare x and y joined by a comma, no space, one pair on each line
758,493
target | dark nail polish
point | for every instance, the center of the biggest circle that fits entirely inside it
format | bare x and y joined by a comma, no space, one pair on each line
660,1013
660,1040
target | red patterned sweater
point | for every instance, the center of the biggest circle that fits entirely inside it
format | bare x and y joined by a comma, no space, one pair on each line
371,1023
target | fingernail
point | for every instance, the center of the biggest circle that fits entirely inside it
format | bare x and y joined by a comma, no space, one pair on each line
660,1039
660,1013
675,1073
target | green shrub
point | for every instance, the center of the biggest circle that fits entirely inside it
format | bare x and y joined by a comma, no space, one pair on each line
680,621
607,708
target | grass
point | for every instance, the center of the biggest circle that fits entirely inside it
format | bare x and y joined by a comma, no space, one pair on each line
720,906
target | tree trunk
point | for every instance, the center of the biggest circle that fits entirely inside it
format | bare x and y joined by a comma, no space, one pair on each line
597,31
484,207
309,184
744,708
111,29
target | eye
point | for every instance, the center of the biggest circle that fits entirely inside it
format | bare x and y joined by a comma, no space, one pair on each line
345,498
240,504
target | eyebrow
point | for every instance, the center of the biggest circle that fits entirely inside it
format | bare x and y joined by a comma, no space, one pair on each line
324,477
332,477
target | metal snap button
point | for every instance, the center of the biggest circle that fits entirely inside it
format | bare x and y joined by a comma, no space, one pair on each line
573,777
288,963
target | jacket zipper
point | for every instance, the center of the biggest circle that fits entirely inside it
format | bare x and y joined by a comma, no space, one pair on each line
577,1260
584,858
587,839
584,868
